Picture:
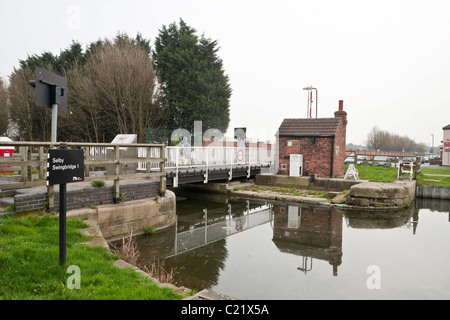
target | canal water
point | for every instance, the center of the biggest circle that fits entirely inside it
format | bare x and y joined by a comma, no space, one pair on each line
261,250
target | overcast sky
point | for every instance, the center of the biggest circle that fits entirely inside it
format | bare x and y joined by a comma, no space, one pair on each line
388,60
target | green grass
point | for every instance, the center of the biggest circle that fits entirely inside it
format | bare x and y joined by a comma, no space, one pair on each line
381,174
286,190
423,178
30,270
376,174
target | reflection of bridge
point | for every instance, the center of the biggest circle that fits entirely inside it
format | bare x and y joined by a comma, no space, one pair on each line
216,224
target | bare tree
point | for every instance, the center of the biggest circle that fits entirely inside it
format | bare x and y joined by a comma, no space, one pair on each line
114,92
33,123
384,141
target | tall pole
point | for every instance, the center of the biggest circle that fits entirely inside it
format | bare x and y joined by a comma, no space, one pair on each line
62,220
308,112
317,101
307,102
432,145
54,121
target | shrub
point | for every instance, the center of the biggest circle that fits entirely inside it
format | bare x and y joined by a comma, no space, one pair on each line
150,230
98,183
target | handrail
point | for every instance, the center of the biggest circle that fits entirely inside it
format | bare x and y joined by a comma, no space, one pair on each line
108,155
180,157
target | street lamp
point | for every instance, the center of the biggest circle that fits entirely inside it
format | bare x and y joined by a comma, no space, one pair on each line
432,145
311,88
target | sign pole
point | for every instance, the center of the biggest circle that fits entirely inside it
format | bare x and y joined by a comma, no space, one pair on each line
62,223
62,216
54,121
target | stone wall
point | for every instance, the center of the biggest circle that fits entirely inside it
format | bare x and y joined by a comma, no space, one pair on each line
378,194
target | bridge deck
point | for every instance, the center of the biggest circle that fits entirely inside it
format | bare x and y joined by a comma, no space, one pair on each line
203,173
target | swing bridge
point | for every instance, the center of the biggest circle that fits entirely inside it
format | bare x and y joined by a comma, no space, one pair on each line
172,166
204,164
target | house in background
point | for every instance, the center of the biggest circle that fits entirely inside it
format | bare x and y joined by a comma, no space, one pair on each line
320,142
446,146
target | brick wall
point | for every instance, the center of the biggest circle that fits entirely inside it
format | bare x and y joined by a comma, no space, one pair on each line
339,151
92,196
318,153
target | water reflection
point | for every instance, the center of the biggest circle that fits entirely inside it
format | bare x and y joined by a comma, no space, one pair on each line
213,244
309,232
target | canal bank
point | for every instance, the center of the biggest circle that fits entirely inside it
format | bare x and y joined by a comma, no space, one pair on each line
111,222
324,191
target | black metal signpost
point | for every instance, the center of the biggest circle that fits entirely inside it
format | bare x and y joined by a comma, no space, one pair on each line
64,166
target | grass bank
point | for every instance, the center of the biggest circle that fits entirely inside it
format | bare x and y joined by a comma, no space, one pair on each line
30,270
430,177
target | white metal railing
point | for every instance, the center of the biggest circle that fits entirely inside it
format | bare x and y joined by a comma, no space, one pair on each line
142,153
179,158
215,156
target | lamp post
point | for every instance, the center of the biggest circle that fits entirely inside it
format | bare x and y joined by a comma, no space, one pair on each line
432,145
311,88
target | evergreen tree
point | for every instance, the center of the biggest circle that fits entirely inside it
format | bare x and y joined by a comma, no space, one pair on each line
192,78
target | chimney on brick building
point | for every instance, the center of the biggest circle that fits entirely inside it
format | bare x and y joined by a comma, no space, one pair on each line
341,113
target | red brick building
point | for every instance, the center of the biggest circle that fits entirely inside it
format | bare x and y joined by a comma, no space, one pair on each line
321,141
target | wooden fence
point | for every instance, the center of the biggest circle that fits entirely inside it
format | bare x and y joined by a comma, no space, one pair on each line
30,156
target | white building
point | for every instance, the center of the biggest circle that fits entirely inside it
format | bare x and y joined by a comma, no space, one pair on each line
446,146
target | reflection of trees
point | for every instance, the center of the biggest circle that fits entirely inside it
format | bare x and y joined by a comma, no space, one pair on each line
185,248
201,266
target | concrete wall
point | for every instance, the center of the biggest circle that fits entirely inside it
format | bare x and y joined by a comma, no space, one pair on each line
361,194
306,182
120,220
433,192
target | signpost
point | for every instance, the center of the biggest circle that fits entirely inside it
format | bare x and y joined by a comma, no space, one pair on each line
64,166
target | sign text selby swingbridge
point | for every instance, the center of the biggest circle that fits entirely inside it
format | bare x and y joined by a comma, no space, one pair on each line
65,166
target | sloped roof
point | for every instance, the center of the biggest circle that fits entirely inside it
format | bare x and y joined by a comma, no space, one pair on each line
446,127
309,127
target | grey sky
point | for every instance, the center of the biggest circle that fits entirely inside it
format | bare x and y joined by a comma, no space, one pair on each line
388,60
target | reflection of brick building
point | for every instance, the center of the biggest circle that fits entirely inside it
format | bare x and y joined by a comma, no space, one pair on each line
312,232
321,141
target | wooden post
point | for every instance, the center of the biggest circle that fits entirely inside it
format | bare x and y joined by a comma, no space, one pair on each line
116,173
28,158
86,158
23,168
162,177
41,167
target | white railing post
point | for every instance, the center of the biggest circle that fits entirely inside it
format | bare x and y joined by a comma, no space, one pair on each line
204,149
249,162
177,157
